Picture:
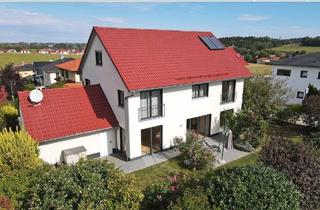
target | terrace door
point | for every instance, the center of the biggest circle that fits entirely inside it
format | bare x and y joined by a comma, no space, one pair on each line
151,140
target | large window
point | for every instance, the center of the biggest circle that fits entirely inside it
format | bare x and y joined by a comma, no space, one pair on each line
86,82
98,58
120,98
284,72
304,74
319,75
199,90
228,91
150,104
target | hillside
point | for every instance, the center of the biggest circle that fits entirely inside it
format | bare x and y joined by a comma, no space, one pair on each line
295,47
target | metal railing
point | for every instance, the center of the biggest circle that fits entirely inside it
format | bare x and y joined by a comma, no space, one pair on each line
151,111
225,98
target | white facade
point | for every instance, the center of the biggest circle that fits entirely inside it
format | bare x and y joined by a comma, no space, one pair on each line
178,103
49,78
68,75
99,142
295,82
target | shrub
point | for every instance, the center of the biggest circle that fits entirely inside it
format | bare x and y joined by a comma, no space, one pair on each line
18,151
246,146
5,203
191,199
58,84
195,155
300,163
89,184
8,116
315,140
251,187
291,113
311,109
28,86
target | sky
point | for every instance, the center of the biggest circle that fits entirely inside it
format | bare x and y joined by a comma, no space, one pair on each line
72,22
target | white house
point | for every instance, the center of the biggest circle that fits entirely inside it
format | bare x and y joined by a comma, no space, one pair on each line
157,83
298,72
69,70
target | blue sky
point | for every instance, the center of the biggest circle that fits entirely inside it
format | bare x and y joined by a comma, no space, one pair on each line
72,22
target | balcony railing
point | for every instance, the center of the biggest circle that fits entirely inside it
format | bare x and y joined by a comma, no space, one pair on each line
151,111
226,98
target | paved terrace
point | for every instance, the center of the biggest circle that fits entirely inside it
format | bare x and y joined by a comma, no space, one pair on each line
159,157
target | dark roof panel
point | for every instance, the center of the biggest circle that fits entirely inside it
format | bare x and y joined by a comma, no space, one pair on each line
308,60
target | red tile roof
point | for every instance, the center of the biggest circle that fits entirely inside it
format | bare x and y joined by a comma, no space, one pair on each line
66,112
72,65
157,58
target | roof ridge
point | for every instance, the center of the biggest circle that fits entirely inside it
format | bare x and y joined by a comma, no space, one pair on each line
152,29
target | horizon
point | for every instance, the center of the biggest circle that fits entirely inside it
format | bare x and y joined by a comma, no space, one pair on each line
72,22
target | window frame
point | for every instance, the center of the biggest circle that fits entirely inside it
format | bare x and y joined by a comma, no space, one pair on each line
234,92
299,92
301,74
150,106
120,98
87,82
283,74
98,57
319,75
197,88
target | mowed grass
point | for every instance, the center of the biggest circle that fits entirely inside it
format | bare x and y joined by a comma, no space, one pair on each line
296,47
259,69
157,173
18,58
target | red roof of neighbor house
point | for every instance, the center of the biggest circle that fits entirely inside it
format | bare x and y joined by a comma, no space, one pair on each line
157,58
66,112
72,65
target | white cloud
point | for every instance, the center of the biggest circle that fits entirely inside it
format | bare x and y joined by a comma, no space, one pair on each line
252,17
115,20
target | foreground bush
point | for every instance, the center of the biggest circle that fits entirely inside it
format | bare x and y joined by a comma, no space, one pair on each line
300,163
18,151
5,203
251,187
8,116
91,184
193,152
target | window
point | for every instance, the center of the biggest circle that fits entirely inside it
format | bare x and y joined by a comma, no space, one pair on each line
284,72
62,73
67,75
150,104
300,94
319,75
228,91
86,82
120,98
57,75
303,74
98,58
199,90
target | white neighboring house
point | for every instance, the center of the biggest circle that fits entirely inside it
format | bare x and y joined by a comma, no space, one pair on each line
158,84
298,72
69,70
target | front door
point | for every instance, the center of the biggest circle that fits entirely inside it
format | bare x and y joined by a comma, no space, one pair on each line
151,140
200,125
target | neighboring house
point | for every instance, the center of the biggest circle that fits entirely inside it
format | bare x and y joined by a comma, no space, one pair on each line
25,70
69,70
70,118
267,60
11,51
298,72
44,51
158,84
47,72
25,51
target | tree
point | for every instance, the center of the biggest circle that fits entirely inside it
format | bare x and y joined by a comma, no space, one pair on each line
18,151
265,96
8,116
89,184
311,108
313,91
3,95
11,79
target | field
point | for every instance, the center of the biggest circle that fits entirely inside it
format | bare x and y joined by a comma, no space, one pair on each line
296,47
17,58
259,69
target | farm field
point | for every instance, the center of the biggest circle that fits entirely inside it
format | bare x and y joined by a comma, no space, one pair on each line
296,47
259,69
17,58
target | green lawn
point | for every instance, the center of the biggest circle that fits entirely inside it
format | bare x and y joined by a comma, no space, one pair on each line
156,173
259,69
296,47
17,58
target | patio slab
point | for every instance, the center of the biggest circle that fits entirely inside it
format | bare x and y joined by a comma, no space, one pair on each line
159,157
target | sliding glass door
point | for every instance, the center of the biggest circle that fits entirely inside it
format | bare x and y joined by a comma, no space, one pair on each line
200,125
151,140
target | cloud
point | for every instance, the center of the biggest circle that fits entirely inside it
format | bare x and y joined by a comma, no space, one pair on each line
115,20
252,17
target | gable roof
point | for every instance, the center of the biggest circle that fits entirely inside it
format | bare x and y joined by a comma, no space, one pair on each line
59,116
308,60
148,58
71,66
